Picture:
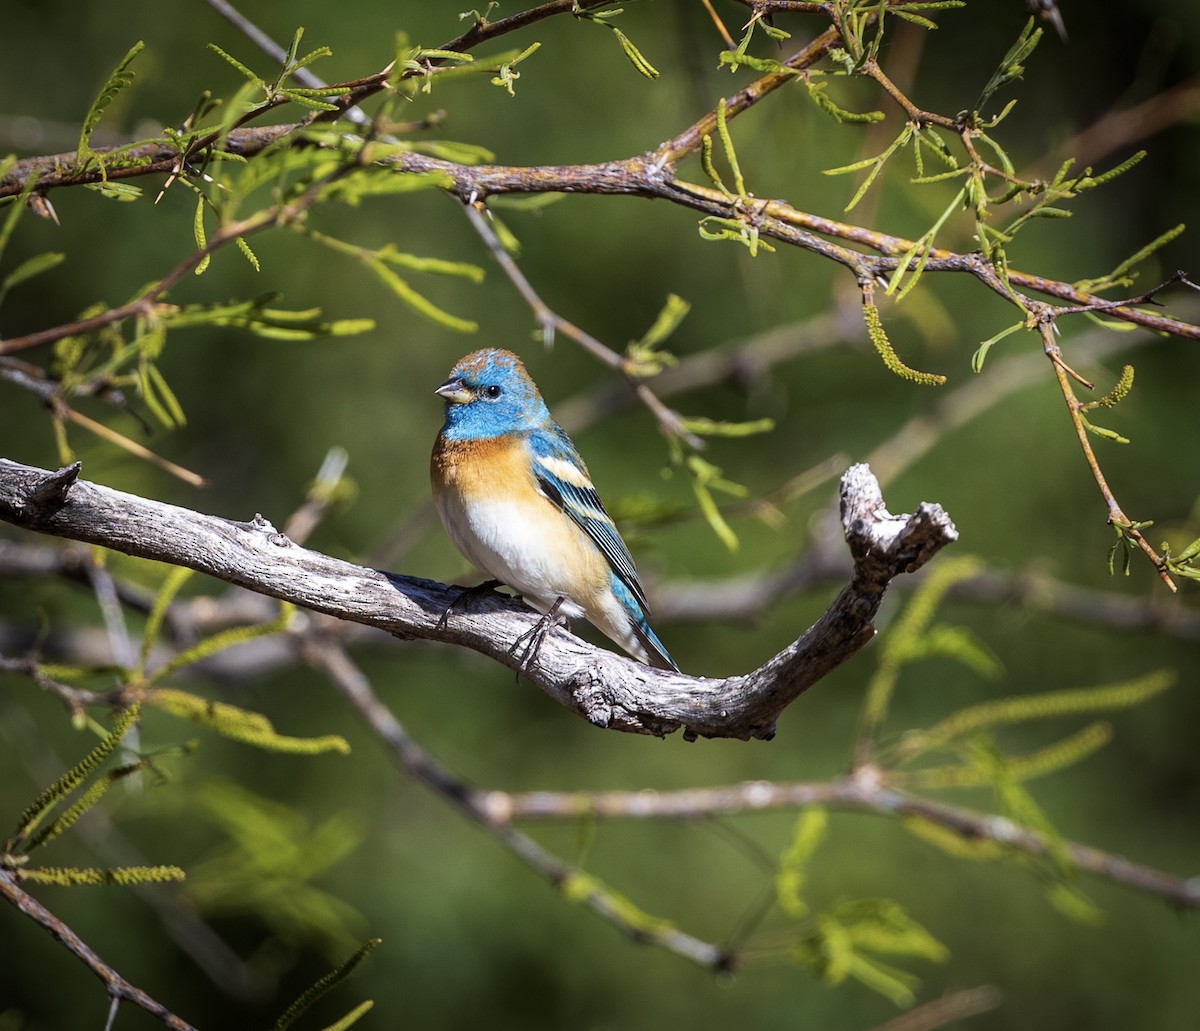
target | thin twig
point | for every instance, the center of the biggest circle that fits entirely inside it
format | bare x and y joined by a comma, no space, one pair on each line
949,1009
1116,516
668,153
119,990
550,322
716,20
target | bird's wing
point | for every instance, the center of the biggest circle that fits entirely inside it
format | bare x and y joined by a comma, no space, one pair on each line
563,479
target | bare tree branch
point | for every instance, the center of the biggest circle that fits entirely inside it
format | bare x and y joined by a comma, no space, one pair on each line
609,690
865,790
119,990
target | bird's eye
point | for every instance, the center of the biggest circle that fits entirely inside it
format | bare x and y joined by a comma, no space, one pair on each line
491,392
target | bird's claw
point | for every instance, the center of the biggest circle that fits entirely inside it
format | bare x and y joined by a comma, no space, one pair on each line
466,592
529,644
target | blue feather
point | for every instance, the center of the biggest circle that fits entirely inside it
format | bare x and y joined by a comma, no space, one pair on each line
581,502
641,626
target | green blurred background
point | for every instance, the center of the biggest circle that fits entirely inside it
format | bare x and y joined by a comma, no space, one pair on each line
472,937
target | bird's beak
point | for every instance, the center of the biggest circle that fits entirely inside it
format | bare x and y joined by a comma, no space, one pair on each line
454,391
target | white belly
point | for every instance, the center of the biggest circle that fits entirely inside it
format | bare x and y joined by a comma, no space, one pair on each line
499,537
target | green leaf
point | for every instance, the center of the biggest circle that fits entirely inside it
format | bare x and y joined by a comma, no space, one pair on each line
639,62
809,832
706,163
730,154
239,724
916,19
951,842
198,233
706,477
764,65
533,202
705,427
1133,260
453,150
248,253
1112,173
1011,66
256,317
118,80
1058,756
351,1018
163,390
1072,903
175,579
940,177
644,358
881,925
29,268
1043,761
579,887
854,167
923,246
417,302
672,313
305,99
237,64
158,396
505,76
744,233
381,182
902,641
293,64
875,164
433,266
961,645
17,206
66,819
840,942
929,139
980,355
78,773
1102,431
1051,705
116,191
819,93
218,642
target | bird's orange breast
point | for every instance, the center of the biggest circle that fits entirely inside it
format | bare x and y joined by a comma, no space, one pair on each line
483,469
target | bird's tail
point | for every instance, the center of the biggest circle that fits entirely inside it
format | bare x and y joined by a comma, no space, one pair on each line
656,654
631,630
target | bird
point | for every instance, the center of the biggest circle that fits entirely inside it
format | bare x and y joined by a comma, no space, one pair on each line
516,499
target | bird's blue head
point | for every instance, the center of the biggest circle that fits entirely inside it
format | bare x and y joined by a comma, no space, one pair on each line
488,394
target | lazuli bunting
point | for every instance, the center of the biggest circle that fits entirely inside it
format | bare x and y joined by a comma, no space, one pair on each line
517,501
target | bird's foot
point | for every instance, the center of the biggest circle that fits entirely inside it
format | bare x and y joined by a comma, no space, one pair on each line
530,643
467,592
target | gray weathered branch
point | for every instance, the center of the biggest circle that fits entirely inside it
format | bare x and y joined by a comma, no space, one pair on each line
608,689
